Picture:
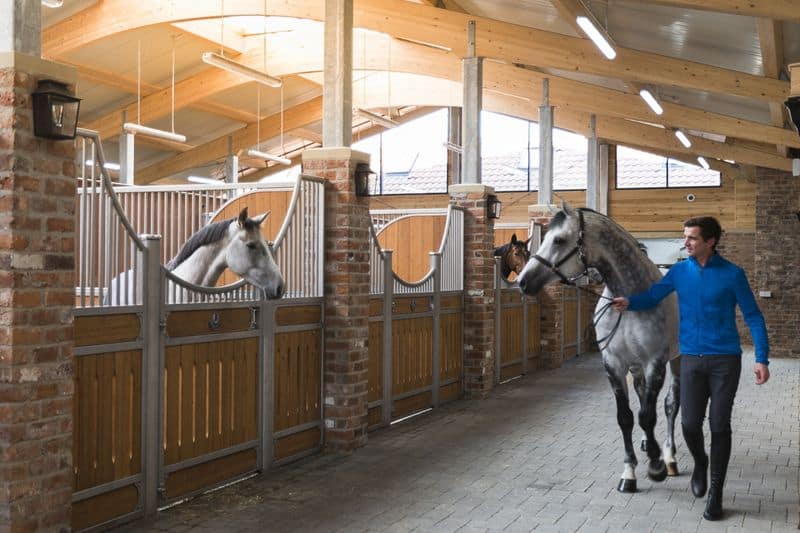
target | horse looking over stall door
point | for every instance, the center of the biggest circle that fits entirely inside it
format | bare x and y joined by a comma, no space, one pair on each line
639,343
514,254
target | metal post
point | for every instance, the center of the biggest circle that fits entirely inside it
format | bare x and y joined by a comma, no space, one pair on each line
578,322
545,147
525,300
267,381
471,112
498,316
436,305
388,296
152,379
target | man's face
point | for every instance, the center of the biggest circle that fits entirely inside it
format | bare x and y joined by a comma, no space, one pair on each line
696,246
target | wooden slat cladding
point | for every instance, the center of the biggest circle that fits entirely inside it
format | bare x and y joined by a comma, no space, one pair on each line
104,507
411,238
107,419
451,347
450,392
298,378
376,306
210,395
375,370
411,304
208,474
570,322
534,334
503,235
106,329
511,335
375,416
510,371
204,322
411,405
453,301
298,315
511,296
295,443
411,354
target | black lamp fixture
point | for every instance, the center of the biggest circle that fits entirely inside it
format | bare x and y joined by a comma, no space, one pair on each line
362,179
493,206
55,111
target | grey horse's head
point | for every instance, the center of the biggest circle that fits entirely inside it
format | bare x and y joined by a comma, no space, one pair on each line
559,247
250,256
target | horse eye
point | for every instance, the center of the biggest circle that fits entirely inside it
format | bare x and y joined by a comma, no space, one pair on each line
251,245
558,241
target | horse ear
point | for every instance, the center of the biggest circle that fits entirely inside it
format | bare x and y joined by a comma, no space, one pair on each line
513,238
242,217
261,218
567,208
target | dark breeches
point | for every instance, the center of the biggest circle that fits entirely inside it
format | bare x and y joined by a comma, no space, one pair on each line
709,376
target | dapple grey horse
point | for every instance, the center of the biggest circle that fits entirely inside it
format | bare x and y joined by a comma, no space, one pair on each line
641,343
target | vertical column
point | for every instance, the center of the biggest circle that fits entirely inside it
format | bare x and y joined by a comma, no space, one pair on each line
37,272
346,296
550,301
597,178
479,302
545,146
471,112
337,91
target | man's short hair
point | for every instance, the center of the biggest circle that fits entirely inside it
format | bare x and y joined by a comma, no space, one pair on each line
709,228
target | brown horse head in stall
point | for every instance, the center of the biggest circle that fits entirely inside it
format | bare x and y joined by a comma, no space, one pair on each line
514,254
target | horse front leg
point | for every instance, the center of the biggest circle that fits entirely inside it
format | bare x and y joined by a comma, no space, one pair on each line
619,385
654,379
672,403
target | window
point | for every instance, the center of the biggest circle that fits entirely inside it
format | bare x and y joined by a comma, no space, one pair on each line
641,170
504,152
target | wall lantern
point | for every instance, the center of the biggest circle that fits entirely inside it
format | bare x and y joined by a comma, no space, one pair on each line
493,206
55,111
362,179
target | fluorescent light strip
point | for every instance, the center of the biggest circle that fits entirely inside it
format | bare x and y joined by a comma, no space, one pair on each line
52,3
224,63
130,127
600,40
377,119
683,138
203,180
269,157
703,162
651,101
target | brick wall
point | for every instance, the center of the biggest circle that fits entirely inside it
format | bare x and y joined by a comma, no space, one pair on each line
37,198
777,256
346,297
479,331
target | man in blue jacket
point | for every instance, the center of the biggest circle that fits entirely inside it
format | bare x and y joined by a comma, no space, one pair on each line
709,287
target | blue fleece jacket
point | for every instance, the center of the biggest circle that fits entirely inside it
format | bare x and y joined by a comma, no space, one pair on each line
707,298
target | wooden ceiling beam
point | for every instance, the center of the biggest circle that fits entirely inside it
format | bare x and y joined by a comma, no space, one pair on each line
770,37
772,9
501,40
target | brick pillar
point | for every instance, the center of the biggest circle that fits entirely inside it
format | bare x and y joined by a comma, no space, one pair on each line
478,288
346,296
777,256
37,239
550,300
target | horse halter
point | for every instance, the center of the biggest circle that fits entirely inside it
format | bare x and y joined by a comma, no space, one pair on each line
578,249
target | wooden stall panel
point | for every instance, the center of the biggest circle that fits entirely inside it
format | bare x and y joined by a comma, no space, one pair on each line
206,475
104,507
570,328
375,370
411,304
451,351
298,378
534,335
411,354
296,315
106,329
210,396
297,443
107,421
208,321
511,321
411,238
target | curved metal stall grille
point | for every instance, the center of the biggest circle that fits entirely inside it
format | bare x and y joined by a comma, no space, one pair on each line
109,252
376,260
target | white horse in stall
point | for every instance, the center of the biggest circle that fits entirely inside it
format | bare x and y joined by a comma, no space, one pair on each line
236,244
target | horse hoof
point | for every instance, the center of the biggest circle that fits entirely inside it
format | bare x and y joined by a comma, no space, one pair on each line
672,469
657,471
627,485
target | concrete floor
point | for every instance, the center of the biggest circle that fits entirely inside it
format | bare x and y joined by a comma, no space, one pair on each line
543,453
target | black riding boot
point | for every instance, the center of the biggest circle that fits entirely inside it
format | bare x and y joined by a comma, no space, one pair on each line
694,441
720,455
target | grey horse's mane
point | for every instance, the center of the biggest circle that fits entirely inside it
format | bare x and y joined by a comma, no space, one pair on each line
207,235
